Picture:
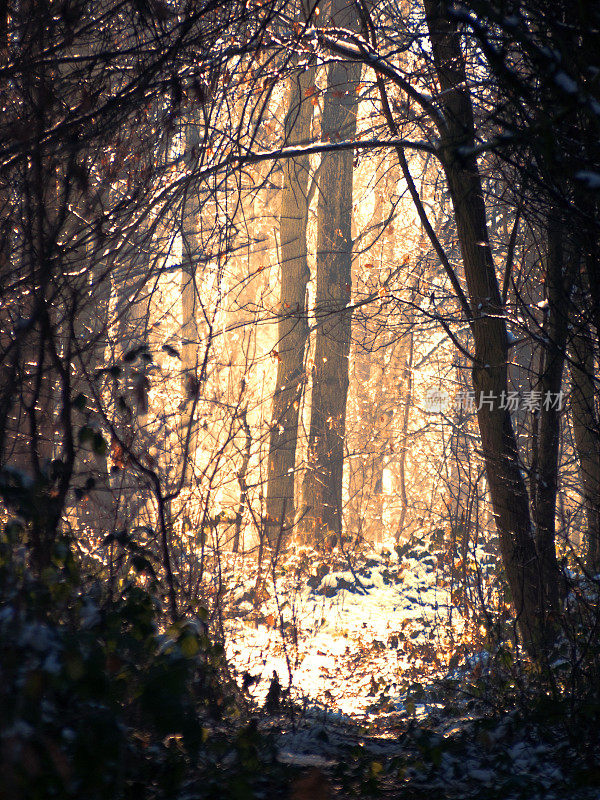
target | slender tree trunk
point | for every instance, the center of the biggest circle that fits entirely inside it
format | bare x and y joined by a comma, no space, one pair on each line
241,476
358,484
191,355
367,444
586,432
96,508
507,487
549,421
293,324
408,392
586,425
322,488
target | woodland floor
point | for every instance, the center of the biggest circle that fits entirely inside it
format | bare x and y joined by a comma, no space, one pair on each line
369,682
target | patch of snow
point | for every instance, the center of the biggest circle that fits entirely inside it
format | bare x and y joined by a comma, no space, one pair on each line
19,729
482,775
90,615
566,83
51,664
304,759
37,636
589,178
344,640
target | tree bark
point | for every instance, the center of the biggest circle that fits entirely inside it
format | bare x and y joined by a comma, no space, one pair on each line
585,433
408,400
555,340
507,486
96,508
374,383
292,323
322,487
191,357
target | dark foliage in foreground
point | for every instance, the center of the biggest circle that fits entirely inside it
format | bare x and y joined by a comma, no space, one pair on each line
96,703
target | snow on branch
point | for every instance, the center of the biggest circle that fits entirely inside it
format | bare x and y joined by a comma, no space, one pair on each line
350,45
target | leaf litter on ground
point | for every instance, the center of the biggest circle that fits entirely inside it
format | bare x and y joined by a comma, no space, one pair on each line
378,667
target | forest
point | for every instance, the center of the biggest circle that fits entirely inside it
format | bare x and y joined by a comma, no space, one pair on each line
299,399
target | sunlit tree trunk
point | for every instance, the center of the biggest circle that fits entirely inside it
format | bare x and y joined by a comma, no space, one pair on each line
241,477
407,398
364,466
322,488
586,432
365,462
292,324
192,356
130,391
376,379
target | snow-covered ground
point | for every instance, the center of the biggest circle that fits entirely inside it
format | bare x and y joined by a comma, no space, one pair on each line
379,662
349,638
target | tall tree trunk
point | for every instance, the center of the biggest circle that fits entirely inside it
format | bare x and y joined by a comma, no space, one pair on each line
322,488
546,487
130,392
292,324
586,425
192,359
408,400
96,508
35,383
366,449
241,477
376,381
507,487
586,433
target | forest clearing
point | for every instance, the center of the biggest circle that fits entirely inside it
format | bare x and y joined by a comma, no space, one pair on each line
299,399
